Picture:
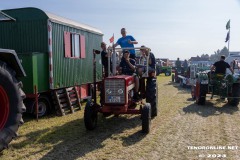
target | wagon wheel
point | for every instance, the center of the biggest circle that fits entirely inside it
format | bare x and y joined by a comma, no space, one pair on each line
44,106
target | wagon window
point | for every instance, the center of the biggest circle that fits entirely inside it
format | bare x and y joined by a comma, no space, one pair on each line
74,45
75,39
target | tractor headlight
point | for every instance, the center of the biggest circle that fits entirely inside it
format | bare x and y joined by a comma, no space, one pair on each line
108,91
120,91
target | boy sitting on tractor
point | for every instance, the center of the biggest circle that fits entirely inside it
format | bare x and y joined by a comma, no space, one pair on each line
127,67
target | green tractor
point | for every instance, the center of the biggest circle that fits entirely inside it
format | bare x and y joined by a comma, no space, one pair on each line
167,70
11,96
225,86
160,68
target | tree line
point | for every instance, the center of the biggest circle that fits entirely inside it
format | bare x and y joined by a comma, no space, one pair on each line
215,56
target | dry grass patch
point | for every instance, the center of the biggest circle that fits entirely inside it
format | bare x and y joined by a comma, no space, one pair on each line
180,123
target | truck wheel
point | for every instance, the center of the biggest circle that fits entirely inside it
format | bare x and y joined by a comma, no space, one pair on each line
201,91
90,116
236,94
11,105
44,106
146,118
152,95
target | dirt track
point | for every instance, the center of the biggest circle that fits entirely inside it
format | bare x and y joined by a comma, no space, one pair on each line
182,130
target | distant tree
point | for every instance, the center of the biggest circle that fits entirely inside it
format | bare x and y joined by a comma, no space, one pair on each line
218,53
224,51
205,57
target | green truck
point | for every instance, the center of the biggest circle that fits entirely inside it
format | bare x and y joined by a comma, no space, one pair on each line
56,54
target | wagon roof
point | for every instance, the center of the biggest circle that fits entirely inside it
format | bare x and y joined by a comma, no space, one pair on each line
31,13
69,22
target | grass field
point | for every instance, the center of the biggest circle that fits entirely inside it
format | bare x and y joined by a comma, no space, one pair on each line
182,130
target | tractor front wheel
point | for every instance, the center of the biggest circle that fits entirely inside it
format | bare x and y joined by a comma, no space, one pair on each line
90,116
11,105
146,118
152,95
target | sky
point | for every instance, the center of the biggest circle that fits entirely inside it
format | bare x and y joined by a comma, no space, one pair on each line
171,28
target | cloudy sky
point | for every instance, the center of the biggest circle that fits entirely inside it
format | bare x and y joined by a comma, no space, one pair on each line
171,28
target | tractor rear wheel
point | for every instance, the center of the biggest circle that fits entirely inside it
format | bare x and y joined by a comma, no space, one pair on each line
201,91
193,94
146,118
11,105
90,116
236,94
151,95
173,77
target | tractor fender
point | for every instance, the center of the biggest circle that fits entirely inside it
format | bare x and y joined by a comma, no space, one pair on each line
10,57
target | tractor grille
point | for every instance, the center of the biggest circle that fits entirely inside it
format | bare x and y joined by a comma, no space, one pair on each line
115,91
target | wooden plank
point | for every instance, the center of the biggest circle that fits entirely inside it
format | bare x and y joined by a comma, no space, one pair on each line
68,100
77,96
58,104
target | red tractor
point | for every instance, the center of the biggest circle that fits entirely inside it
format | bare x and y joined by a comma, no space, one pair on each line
116,98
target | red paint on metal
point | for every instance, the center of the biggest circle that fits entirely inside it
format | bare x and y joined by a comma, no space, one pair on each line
84,90
50,67
67,44
49,28
4,107
50,54
83,46
51,80
49,42
119,110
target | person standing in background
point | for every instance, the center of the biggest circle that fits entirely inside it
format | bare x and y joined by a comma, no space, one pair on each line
104,58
